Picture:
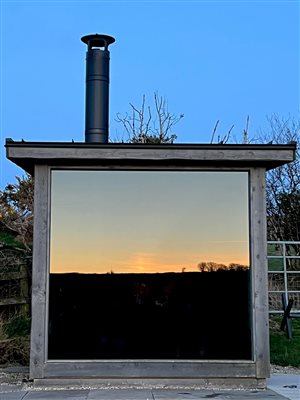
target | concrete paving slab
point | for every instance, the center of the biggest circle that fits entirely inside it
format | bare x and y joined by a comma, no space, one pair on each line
217,394
12,396
57,394
287,385
141,394
161,394
280,387
120,394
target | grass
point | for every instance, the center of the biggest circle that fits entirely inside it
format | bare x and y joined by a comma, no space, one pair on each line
9,239
284,351
15,329
14,340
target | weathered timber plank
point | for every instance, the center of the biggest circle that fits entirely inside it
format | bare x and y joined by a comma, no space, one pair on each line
14,301
259,272
39,273
154,383
213,152
148,369
11,276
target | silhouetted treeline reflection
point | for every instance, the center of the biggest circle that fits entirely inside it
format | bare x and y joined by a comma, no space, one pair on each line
211,266
188,315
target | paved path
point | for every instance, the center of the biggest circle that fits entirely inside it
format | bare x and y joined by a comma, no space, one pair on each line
140,394
287,385
278,386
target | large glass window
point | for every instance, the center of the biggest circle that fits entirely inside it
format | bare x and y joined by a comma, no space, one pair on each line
149,265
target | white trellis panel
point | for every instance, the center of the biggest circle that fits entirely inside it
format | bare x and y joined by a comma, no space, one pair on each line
283,274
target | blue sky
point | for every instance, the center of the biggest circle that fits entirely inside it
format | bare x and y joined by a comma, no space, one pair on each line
210,59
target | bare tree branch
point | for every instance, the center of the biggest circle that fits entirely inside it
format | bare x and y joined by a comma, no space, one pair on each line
246,140
283,183
142,129
214,131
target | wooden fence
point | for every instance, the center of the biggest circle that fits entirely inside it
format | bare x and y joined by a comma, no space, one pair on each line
15,281
283,271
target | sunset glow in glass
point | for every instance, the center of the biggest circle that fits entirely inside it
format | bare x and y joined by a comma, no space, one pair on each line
147,221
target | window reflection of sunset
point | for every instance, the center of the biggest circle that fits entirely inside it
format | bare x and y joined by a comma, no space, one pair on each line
136,222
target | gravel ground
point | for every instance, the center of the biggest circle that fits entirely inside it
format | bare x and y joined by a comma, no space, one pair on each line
278,369
13,375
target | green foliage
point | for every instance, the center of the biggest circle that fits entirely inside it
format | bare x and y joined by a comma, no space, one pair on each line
16,210
17,326
282,350
9,239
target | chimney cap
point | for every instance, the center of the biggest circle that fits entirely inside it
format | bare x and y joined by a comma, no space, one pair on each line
97,40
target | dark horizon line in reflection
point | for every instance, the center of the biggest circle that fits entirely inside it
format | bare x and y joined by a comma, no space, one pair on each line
210,269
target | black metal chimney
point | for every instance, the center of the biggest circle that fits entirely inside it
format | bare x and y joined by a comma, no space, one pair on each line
97,88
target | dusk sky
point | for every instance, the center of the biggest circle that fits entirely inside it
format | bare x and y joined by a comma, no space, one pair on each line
212,60
145,221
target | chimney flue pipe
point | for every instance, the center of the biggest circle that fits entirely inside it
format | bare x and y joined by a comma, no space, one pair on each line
97,88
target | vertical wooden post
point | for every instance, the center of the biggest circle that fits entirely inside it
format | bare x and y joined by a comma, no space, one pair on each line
258,240
24,290
39,272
